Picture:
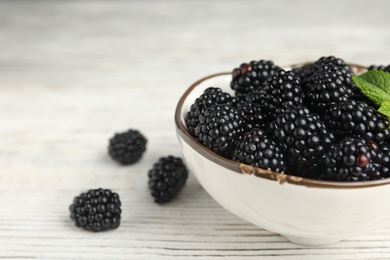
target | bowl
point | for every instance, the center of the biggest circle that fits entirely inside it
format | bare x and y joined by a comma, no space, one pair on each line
305,211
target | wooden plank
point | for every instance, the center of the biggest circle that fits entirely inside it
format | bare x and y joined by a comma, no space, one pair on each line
72,73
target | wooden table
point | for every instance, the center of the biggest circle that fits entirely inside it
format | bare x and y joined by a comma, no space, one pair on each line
72,73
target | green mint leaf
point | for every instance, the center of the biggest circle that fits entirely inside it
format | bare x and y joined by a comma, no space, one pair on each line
385,109
375,84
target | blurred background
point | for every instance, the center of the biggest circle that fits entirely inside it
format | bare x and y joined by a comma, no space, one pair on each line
166,45
57,43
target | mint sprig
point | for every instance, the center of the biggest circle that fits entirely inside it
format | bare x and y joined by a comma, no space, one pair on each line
375,84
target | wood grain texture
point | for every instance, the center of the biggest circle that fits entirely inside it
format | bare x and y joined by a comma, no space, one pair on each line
72,73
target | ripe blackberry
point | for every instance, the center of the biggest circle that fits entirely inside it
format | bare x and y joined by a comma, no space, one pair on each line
250,76
253,116
358,95
258,150
308,70
128,147
384,159
305,72
334,61
330,84
211,96
218,128
303,137
353,159
96,210
279,91
167,178
357,119
380,67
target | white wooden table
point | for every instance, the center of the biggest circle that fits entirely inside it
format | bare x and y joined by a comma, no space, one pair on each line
74,73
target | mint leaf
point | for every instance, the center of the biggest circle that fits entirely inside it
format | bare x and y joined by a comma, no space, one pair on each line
375,84
385,109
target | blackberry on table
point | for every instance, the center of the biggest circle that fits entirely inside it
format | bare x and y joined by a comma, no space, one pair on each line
96,210
210,96
330,84
258,150
128,147
167,178
279,91
303,138
250,76
218,128
353,159
357,119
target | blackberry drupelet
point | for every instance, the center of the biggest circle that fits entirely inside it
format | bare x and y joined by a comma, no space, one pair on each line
250,76
357,119
218,128
258,150
167,178
96,210
308,70
353,159
330,84
279,91
303,138
210,96
128,147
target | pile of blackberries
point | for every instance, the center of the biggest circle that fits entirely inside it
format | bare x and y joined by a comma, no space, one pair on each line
311,121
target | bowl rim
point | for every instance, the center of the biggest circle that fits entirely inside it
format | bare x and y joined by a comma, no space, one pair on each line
241,168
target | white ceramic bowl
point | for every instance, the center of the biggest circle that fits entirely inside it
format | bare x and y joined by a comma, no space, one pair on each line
305,211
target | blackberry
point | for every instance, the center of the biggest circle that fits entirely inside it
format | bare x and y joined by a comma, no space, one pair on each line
128,147
330,84
380,67
96,210
305,72
218,128
357,119
303,137
279,91
258,150
250,76
210,96
308,70
384,159
253,116
334,61
353,159
358,95
167,178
